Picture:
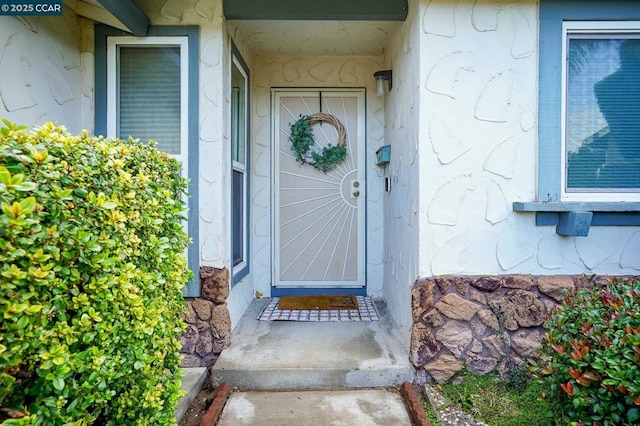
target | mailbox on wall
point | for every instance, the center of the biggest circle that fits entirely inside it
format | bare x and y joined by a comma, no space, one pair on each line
383,155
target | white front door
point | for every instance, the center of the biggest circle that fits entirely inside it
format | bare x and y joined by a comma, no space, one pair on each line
319,218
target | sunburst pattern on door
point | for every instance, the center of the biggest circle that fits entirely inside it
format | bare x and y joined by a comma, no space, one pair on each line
318,222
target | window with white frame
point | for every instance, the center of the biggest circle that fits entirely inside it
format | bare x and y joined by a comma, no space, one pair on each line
601,111
147,87
147,92
240,166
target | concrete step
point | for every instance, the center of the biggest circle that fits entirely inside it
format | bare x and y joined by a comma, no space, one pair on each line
379,407
191,383
282,355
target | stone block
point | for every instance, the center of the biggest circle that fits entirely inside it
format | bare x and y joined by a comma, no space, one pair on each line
480,364
422,295
443,368
189,339
455,307
521,282
205,344
556,286
487,283
496,344
433,318
462,286
455,336
582,281
220,322
202,308
522,308
600,280
444,284
477,296
219,345
189,316
476,346
423,345
526,343
202,325
477,327
489,319
215,284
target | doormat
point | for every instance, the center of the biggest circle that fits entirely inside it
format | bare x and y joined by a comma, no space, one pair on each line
321,302
366,311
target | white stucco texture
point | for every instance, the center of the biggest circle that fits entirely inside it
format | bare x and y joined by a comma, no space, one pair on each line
478,109
40,65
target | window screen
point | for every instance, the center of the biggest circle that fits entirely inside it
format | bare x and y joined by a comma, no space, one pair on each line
149,95
603,113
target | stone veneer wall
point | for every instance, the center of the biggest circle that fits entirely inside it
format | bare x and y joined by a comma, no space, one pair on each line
208,322
482,322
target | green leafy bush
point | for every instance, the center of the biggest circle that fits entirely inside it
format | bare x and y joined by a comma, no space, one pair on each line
91,272
592,355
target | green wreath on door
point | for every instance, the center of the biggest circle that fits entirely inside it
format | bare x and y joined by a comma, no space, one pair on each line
301,138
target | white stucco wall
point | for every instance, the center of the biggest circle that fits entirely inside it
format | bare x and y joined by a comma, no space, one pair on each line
243,292
40,67
478,154
401,230
214,147
213,151
313,71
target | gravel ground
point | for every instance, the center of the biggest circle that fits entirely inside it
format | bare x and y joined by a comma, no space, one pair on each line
448,414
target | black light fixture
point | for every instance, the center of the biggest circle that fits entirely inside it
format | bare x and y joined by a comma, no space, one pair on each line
381,76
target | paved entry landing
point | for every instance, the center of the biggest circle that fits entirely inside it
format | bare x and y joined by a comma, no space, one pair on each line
277,355
380,407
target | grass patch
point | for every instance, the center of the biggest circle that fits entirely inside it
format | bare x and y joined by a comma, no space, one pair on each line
431,413
492,400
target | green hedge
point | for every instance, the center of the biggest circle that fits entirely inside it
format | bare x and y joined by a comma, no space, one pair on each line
91,271
591,355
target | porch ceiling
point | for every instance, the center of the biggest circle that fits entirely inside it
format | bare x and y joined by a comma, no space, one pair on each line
316,38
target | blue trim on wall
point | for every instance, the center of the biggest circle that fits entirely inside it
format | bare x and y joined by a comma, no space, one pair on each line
304,291
193,286
599,219
102,32
552,13
128,14
573,206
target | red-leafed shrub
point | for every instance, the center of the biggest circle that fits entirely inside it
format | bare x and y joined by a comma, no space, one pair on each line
591,355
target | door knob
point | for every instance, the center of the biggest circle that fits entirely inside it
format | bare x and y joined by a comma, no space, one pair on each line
356,193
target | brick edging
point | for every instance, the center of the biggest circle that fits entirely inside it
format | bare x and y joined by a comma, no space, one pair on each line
219,396
414,406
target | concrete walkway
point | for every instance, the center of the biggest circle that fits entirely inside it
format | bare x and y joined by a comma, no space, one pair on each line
349,407
314,373
281,355
191,383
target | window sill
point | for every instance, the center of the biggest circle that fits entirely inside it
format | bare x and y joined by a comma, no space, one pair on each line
575,218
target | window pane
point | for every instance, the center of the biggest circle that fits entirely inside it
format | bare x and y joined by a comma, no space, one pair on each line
603,114
238,114
237,217
149,95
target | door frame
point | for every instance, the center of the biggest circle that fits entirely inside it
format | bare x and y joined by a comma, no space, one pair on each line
281,290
